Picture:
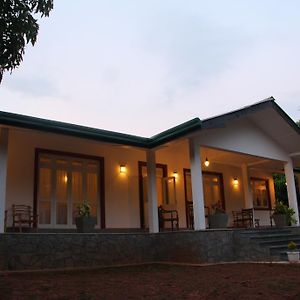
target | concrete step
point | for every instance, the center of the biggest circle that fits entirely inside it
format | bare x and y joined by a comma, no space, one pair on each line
274,237
277,250
281,242
259,232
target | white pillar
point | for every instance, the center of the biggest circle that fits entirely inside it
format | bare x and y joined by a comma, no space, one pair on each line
152,194
248,200
197,185
3,174
291,188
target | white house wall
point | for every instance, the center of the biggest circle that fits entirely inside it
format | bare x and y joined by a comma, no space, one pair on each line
177,159
121,191
244,137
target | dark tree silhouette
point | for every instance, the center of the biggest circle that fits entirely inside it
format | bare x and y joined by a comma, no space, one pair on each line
18,27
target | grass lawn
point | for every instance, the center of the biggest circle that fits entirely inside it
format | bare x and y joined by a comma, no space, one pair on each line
231,281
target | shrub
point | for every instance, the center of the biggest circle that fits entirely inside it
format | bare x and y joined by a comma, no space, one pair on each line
292,246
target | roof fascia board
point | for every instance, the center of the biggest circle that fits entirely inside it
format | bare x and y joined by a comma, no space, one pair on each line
71,129
45,125
175,132
219,121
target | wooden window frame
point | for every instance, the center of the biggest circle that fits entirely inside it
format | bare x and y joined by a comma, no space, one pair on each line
268,192
101,180
142,164
185,171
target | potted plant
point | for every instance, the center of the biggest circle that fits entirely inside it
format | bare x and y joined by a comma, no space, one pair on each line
84,221
293,254
218,218
283,215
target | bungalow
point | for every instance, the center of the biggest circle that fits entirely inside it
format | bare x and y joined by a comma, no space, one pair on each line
228,159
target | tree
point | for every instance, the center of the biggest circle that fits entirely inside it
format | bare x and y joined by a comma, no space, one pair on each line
298,123
280,188
18,27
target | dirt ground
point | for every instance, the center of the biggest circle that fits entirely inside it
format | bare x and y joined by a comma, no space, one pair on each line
231,281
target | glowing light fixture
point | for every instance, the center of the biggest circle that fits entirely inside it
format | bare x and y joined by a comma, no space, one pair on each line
123,169
65,179
235,181
206,163
175,174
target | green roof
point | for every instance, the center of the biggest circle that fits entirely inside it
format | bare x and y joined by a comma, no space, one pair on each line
98,134
132,140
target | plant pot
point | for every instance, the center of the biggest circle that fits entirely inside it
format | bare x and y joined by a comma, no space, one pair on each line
280,220
85,224
293,256
218,221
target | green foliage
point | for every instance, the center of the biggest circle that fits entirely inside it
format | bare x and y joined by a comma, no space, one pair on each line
292,246
84,209
298,123
217,208
280,188
281,208
18,27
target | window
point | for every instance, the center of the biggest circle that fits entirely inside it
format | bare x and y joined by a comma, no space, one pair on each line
63,183
260,193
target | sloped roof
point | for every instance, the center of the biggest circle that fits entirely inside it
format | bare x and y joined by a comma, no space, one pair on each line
45,125
183,129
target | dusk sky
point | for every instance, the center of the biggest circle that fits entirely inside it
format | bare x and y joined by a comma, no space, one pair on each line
141,67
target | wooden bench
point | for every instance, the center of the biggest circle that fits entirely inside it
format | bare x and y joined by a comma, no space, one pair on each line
23,215
167,215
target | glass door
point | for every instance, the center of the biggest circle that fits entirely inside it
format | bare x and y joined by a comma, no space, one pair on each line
212,189
64,183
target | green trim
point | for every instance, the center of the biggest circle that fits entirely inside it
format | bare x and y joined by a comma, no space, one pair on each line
71,129
269,102
183,129
98,134
175,132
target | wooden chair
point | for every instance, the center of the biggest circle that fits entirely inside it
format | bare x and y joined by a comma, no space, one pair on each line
237,218
190,215
190,210
247,217
23,215
171,216
244,218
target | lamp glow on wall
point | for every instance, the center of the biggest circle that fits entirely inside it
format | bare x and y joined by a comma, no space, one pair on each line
235,182
206,163
175,174
123,169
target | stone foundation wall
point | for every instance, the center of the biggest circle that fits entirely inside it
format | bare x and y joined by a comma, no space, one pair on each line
64,250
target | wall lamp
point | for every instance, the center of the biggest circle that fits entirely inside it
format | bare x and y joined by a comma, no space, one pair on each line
206,163
235,182
123,169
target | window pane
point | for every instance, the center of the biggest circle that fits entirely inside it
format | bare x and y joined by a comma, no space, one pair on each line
45,212
212,189
189,194
93,167
77,164
44,191
77,192
260,193
92,192
61,197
